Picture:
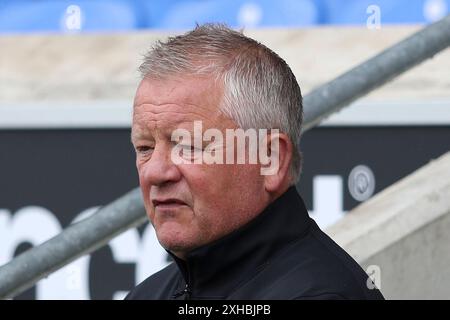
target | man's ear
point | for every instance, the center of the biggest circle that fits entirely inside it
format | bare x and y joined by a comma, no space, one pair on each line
276,172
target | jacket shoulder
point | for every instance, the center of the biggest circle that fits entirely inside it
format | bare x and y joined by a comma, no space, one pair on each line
313,267
159,285
327,270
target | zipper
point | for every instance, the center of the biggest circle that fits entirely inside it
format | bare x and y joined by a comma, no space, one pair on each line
186,292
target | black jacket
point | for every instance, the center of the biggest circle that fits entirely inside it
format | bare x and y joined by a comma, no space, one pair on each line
281,254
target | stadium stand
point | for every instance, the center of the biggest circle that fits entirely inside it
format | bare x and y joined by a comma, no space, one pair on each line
18,16
66,16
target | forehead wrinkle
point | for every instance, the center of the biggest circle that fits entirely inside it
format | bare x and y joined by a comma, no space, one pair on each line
160,128
181,107
160,93
175,113
152,129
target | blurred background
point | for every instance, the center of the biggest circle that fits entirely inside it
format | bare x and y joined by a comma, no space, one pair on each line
68,72
18,16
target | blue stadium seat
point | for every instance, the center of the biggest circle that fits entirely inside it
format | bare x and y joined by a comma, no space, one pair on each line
64,15
353,12
154,11
239,13
116,15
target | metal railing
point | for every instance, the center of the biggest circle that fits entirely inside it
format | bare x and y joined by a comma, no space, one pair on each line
128,211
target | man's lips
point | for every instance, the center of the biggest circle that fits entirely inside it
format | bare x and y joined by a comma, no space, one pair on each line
168,203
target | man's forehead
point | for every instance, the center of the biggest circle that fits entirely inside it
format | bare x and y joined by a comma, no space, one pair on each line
150,117
163,124
178,90
166,105
145,126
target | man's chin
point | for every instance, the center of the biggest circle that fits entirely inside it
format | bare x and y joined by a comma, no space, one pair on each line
175,242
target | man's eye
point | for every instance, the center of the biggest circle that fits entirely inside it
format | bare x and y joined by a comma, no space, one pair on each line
143,149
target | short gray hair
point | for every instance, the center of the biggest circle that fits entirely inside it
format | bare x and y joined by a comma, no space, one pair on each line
260,90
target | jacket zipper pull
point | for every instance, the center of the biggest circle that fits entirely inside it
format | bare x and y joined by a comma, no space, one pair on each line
186,292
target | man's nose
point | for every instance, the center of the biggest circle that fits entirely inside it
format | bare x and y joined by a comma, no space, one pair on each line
160,169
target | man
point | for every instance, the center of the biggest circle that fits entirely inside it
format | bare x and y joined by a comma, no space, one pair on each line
234,230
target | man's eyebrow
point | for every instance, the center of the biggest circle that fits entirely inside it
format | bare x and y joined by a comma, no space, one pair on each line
141,134
146,134
138,135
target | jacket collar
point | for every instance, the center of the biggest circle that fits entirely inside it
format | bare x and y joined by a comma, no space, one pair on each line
214,270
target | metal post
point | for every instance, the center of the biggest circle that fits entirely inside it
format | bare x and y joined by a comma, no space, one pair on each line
128,211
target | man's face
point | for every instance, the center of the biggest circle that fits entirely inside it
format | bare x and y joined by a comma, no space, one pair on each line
189,204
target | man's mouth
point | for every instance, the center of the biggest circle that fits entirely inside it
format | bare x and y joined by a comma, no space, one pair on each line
169,203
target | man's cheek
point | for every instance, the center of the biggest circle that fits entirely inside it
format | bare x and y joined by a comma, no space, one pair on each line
141,175
147,203
153,219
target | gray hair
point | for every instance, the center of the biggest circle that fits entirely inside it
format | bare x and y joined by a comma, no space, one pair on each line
260,90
